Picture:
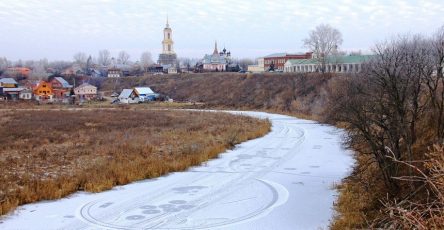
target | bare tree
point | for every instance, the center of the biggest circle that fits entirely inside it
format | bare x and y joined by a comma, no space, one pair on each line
59,66
123,57
435,82
4,64
323,41
386,102
80,58
39,69
146,60
19,63
104,58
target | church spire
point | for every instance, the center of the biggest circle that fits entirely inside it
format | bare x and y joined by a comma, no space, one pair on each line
167,24
215,52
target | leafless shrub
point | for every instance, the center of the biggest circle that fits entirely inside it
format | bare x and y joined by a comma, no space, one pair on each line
393,112
426,213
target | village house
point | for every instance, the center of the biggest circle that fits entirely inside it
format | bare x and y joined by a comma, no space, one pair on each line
74,70
115,72
9,89
18,72
61,88
217,61
25,94
42,91
12,93
85,91
8,83
156,69
96,73
172,70
128,96
145,94
334,64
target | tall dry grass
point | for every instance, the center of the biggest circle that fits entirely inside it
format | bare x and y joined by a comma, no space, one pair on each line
427,210
50,154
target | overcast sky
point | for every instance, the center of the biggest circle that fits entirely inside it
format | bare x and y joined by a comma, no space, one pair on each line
57,29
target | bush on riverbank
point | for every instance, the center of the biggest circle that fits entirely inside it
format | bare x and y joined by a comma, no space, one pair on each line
394,115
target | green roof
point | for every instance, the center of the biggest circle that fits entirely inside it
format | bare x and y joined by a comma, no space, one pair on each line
350,59
302,61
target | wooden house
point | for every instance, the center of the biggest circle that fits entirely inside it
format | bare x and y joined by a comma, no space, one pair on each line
43,91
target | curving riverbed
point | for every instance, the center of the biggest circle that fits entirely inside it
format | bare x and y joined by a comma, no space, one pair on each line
281,181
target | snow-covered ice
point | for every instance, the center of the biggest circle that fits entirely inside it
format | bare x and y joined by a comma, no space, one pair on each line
283,180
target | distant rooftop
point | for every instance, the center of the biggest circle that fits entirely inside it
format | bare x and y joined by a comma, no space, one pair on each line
276,55
84,85
285,54
64,83
126,93
13,89
143,90
8,80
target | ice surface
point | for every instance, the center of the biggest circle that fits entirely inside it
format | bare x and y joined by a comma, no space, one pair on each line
280,181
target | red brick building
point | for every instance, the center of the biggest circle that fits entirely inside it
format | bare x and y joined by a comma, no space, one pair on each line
279,59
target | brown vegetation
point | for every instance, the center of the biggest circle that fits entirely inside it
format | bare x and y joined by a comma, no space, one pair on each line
394,118
296,93
50,154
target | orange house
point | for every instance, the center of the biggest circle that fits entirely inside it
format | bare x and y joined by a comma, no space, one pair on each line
15,71
43,91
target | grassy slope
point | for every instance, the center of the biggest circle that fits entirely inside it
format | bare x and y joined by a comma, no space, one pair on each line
295,93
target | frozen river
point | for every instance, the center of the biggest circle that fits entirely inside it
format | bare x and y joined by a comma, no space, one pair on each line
283,180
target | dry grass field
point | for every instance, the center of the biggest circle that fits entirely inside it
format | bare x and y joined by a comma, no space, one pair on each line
49,154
